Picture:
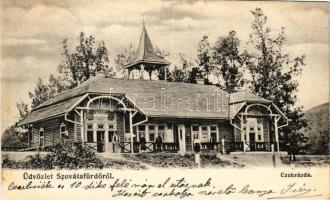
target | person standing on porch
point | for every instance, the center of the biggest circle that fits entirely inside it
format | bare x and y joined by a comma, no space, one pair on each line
213,142
115,140
159,143
197,149
143,143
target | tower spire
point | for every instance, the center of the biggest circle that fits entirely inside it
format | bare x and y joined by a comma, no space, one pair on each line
146,56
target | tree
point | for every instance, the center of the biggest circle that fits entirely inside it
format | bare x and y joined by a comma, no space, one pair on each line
11,138
123,58
204,58
55,85
273,76
182,72
228,62
23,109
40,94
90,57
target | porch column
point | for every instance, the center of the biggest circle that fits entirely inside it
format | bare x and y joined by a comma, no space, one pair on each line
165,72
94,132
82,135
107,145
131,130
276,134
243,133
28,133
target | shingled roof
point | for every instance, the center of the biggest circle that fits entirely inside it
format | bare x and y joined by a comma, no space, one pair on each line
145,53
154,98
54,110
242,96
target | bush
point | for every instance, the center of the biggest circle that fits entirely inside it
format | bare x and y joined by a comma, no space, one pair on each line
65,155
38,161
74,156
7,163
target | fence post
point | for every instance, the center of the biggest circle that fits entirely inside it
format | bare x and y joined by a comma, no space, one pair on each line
223,145
273,156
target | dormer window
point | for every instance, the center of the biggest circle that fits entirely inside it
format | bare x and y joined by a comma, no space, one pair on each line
63,132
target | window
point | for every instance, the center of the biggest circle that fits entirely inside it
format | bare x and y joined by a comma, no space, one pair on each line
142,131
195,128
112,121
110,136
169,134
152,133
90,126
259,137
100,126
214,133
161,131
63,132
205,134
260,132
90,136
41,137
195,132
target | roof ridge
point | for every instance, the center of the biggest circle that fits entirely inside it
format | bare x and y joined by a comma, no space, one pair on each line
87,87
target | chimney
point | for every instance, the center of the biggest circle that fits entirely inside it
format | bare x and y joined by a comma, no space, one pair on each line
200,81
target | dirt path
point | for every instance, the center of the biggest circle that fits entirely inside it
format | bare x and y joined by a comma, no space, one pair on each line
252,160
120,157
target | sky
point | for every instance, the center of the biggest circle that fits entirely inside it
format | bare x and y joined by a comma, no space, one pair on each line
32,32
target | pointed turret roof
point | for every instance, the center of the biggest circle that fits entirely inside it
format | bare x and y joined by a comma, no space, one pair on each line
146,54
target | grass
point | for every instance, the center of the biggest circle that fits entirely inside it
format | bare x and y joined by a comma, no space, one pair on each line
144,161
173,160
307,160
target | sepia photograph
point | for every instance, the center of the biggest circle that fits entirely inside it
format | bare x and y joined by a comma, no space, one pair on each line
219,88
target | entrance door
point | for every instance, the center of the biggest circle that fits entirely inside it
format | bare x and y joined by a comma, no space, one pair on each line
182,138
100,141
252,137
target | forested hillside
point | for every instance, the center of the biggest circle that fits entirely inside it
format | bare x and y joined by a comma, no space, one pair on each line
318,128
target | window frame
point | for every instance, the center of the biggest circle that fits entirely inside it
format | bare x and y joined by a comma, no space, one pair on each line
216,132
161,132
63,132
90,129
260,132
41,130
208,131
205,133
195,132
149,131
139,131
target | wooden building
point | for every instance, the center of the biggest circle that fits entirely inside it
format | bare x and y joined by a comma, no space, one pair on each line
101,108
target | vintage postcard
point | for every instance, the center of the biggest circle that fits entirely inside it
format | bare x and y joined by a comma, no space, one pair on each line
109,99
